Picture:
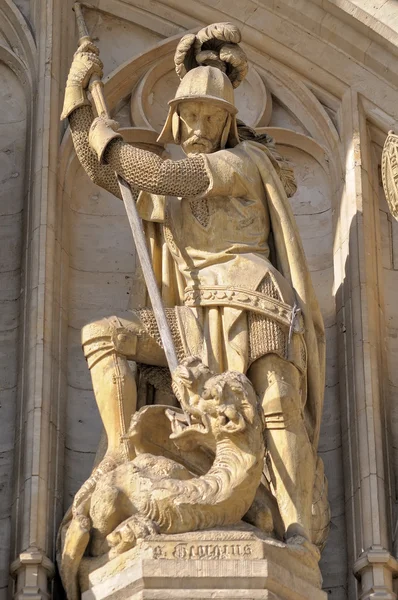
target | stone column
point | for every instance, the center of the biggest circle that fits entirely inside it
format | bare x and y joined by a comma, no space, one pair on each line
365,436
39,427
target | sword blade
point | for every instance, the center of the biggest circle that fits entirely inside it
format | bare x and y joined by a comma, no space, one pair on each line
149,276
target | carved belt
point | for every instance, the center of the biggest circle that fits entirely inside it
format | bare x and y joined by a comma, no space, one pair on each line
219,295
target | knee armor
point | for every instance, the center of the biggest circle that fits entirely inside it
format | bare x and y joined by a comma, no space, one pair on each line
108,335
282,403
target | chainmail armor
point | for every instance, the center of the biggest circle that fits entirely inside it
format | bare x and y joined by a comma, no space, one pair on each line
159,377
80,121
168,236
303,356
141,169
201,210
147,318
266,335
145,170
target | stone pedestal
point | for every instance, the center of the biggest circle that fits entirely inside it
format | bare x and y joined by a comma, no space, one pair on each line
214,564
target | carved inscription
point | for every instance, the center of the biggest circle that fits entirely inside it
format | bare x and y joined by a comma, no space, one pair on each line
205,551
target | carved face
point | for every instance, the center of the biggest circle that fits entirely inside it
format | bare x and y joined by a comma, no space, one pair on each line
220,405
201,126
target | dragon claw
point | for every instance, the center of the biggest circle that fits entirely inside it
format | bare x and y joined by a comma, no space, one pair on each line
129,532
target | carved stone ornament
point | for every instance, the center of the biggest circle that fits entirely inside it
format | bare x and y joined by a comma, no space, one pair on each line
389,172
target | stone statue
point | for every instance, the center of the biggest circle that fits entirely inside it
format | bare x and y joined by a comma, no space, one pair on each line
239,298
222,410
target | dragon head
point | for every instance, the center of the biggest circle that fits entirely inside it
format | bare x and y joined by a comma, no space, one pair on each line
215,406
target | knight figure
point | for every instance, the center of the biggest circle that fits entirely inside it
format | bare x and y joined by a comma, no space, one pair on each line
229,256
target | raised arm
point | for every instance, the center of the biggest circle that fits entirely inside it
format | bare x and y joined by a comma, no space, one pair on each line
77,109
103,175
143,170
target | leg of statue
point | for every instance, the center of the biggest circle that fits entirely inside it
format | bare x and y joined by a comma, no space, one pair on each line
116,395
278,383
108,344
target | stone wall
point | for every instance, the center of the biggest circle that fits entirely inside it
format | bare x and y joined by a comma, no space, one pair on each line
13,133
323,82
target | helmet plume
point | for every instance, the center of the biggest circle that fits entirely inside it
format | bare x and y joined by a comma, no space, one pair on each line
215,46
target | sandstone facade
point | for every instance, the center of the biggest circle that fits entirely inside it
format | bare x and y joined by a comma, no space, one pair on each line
323,82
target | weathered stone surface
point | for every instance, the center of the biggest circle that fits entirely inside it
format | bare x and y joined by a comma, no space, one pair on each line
238,564
13,125
208,221
300,50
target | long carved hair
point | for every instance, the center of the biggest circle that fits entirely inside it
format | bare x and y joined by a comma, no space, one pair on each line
283,168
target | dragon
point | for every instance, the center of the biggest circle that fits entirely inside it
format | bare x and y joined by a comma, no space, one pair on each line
156,494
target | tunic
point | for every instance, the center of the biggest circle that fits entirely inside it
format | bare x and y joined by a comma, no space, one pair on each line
218,243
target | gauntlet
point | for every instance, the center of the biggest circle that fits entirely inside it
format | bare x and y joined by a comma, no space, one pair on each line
85,64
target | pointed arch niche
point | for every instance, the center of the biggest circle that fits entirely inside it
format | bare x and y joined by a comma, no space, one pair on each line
322,124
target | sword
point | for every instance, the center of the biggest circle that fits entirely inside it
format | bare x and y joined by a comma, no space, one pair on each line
96,88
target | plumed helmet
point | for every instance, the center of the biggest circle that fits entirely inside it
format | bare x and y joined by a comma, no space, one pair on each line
210,65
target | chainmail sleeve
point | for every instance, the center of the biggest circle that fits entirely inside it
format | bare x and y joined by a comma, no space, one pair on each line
141,169
103,175
146,171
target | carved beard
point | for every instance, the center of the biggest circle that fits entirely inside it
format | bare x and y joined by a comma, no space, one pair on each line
202,145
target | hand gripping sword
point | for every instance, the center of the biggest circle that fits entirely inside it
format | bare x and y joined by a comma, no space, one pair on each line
96,88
